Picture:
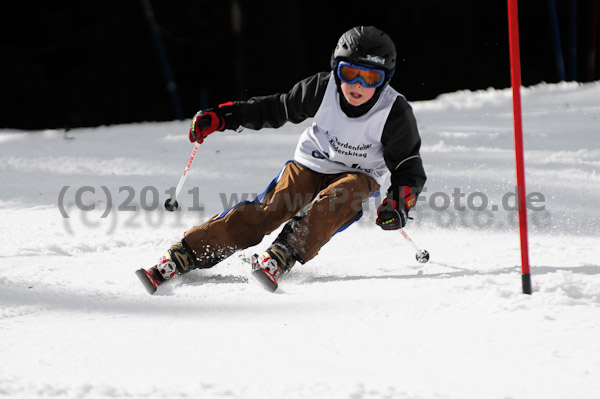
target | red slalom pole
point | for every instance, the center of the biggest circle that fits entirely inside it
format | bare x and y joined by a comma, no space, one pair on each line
515,69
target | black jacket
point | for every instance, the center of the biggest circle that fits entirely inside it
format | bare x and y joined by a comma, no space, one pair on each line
400,138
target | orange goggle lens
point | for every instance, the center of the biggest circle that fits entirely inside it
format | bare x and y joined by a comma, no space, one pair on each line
368,77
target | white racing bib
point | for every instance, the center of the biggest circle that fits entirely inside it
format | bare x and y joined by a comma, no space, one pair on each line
336,143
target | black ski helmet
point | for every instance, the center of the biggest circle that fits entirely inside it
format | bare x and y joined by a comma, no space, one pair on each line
366,45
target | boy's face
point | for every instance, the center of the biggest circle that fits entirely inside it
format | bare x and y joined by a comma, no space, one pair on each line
356,94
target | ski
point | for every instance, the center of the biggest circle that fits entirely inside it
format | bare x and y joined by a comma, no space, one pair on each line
261,276
147,280
265,280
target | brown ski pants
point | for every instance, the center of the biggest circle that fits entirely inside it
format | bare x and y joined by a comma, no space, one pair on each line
330,203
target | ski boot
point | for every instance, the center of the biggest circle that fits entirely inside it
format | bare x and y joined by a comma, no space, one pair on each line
266,268
179,259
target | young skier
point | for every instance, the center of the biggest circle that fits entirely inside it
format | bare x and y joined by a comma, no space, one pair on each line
362,129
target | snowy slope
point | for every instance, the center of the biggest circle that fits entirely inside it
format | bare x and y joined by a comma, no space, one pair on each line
362,320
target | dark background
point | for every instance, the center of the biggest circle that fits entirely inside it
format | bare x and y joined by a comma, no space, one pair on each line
95,62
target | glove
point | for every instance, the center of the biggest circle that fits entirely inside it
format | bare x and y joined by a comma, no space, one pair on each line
392,214
208,121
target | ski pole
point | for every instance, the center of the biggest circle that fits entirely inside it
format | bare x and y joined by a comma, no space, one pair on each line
171,203
421,255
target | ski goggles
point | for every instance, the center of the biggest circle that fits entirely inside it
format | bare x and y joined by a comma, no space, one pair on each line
352,73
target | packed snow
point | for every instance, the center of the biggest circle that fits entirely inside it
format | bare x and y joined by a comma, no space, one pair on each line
81,210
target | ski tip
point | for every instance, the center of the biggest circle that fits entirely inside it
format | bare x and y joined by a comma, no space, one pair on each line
146,281
265,280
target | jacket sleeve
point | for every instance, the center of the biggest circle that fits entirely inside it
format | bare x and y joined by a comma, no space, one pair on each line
272,111
401,146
